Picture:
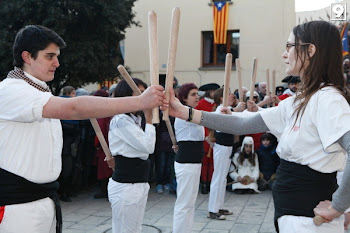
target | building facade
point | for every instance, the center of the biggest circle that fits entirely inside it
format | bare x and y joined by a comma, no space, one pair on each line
256,28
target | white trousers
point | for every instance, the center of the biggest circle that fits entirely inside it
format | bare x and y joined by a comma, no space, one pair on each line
128,202
187,177
296,224
218,181
32,217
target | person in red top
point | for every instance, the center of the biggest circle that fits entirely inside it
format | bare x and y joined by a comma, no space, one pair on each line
293,85
207,104
103,171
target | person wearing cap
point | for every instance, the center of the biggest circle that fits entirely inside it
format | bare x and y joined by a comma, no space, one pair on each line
256,96
279,90
293,85
222,150
81,92
207,104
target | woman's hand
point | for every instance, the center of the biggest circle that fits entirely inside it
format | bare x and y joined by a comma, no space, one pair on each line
325,210
242,180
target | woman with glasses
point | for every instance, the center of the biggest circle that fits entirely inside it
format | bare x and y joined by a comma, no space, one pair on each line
312,128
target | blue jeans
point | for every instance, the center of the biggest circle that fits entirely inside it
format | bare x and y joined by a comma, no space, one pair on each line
164,161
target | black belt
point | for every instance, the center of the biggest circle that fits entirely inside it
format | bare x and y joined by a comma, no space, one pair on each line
190,152
298,189
131,170
15,189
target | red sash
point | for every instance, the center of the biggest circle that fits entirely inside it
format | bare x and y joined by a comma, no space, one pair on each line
2,211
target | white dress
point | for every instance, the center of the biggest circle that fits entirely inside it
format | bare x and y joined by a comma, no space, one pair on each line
245,169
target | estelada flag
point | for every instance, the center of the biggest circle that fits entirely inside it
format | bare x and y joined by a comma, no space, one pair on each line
344,37
220,10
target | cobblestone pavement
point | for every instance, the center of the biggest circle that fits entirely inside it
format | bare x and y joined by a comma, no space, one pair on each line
252,213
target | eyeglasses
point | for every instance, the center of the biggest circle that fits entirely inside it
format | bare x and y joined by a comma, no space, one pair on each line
289,45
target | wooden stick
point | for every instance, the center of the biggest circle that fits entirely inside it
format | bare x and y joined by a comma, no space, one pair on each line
228,67
175,21
318,220
128,79
233,182
101,138
268,84
252,88
135,89
153,56
171,132
273,85
239,74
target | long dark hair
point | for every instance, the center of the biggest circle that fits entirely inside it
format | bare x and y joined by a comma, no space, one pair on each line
326,65
123,89
251,156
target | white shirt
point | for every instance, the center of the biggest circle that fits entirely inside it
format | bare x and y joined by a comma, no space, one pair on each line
127,138
187,131
313,140
30,145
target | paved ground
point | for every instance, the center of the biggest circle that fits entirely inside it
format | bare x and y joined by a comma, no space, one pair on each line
253,213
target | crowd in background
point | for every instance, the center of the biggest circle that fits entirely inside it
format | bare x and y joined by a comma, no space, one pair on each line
83,162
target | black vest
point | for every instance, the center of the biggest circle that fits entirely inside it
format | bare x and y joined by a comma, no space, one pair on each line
131,170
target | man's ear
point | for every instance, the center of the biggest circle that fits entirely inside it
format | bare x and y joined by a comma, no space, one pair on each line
311,50
26,57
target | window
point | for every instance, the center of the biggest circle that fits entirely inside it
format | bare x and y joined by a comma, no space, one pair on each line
214,55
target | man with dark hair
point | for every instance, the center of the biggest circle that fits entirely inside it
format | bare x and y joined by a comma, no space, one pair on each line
293,85
31,138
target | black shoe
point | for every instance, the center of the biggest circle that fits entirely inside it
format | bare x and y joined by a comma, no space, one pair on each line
65,198
216,216
225,212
